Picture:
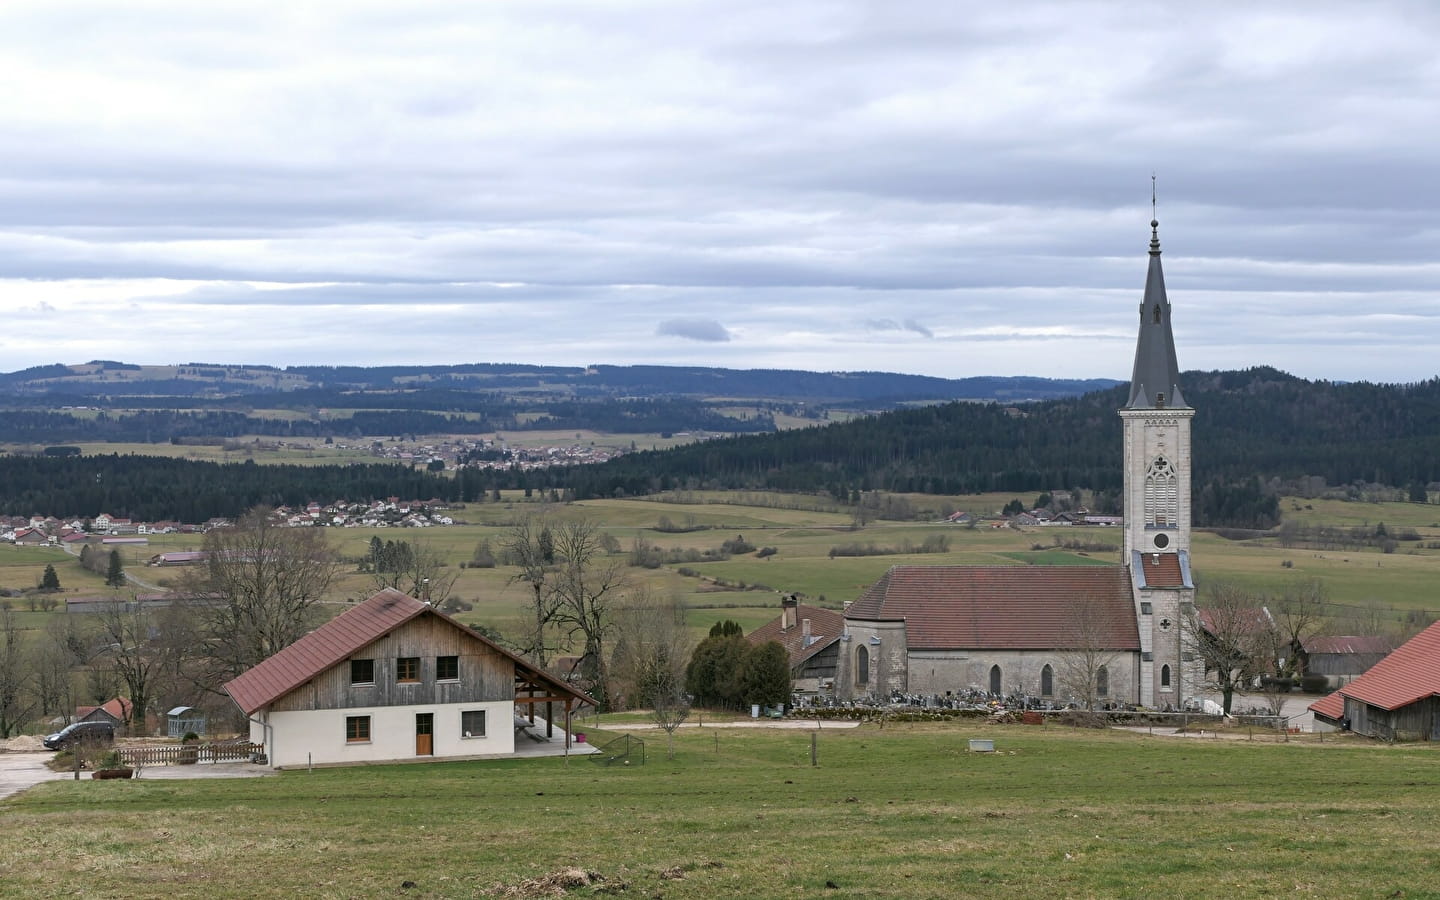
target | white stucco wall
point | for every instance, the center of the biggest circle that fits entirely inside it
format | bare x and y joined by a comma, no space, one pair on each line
293,738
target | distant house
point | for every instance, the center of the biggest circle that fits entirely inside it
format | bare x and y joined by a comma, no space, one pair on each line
1397,699
178,558
394,679
811,638
1341,658
31,537
113,711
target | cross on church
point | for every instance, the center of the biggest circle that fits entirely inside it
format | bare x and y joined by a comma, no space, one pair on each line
1164,624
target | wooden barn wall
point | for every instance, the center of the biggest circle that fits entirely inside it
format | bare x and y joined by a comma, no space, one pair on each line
1342,663
822,664
1408,723
484,673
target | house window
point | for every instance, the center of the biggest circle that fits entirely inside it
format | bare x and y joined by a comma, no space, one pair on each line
1146,608
1047,681
862,665
472,723
447,668
1147,656
995,679
1164,676
1102,681
362,671
357,729
407,669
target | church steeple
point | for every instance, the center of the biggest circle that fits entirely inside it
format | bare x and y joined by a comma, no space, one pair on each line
1155,381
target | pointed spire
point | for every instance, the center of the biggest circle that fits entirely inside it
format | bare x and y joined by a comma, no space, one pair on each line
1155,382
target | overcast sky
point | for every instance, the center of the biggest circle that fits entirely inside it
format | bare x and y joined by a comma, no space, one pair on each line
943,188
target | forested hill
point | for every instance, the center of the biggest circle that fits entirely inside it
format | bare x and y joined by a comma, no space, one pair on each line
107,383
1258,422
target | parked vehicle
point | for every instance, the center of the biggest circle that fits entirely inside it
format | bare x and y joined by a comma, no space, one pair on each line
80,733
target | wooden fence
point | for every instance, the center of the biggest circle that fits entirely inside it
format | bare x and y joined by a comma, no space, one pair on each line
184,754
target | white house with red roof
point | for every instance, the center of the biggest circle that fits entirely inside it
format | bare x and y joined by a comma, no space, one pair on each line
1397,699
395,679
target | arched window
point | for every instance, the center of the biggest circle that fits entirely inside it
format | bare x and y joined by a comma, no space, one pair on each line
994,679
1047,681
1156,313
1102,682
1164,676
1162,494
862,665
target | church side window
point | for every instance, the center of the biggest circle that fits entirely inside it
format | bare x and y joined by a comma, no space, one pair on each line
1102,681
1164,676
862,666
1047,681
994,679
1162,494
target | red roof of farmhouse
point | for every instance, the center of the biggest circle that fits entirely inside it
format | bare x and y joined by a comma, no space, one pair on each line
1005,607
1409,674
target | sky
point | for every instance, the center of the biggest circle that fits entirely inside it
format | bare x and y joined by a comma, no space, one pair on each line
952,189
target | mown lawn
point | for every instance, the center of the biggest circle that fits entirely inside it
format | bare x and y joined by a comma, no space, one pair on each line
904,812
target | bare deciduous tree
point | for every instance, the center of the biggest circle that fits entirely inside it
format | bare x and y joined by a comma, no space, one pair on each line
420,571
17,700
264,581
651,639
1233,635
530,545
132,653
586,589
1301,612
1089,656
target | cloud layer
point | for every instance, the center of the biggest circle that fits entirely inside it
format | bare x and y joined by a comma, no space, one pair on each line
949,189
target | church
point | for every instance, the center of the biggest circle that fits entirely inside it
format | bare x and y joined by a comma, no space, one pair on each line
1107,633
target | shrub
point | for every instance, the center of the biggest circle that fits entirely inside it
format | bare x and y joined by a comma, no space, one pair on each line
1314,684
766,551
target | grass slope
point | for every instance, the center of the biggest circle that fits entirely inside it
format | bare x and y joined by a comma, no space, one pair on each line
903,812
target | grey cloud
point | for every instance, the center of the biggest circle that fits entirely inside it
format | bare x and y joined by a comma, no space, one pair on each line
694,329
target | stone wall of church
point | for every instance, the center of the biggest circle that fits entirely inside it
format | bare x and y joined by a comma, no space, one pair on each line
872,661
945,672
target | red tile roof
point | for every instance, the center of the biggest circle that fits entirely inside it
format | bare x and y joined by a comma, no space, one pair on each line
1410,673
1161,570
826,626
341,637
1350,643
1005,607
1331,707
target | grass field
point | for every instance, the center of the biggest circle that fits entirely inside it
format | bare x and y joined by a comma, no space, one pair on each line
904,812
748,589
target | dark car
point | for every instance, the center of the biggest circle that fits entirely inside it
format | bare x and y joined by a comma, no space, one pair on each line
80,733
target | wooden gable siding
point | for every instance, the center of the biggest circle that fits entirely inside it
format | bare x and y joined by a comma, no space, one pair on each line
1414,722
484,674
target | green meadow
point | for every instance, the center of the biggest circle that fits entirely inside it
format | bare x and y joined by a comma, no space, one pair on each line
905,811
804,530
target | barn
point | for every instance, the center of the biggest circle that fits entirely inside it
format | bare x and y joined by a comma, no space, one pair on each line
1396,700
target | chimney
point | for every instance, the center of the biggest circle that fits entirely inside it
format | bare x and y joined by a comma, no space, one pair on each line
804,632
788,608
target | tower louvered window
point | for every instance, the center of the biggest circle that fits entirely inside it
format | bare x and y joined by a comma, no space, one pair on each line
1162,494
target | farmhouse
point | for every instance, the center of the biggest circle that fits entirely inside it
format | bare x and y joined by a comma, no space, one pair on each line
1103,632
394,679
811,638
1397,699
1340,658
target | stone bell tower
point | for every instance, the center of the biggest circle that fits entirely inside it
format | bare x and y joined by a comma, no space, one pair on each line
1157,496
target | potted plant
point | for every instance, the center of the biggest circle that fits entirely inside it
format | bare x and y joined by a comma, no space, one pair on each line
189,749
112,765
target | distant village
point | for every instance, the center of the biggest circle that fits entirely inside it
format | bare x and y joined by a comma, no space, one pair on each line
112,530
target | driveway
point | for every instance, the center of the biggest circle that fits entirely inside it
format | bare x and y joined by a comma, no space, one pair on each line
19,771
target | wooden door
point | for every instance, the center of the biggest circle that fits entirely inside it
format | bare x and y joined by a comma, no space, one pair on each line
424,734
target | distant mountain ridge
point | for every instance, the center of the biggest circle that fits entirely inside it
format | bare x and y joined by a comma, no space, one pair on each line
103,380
